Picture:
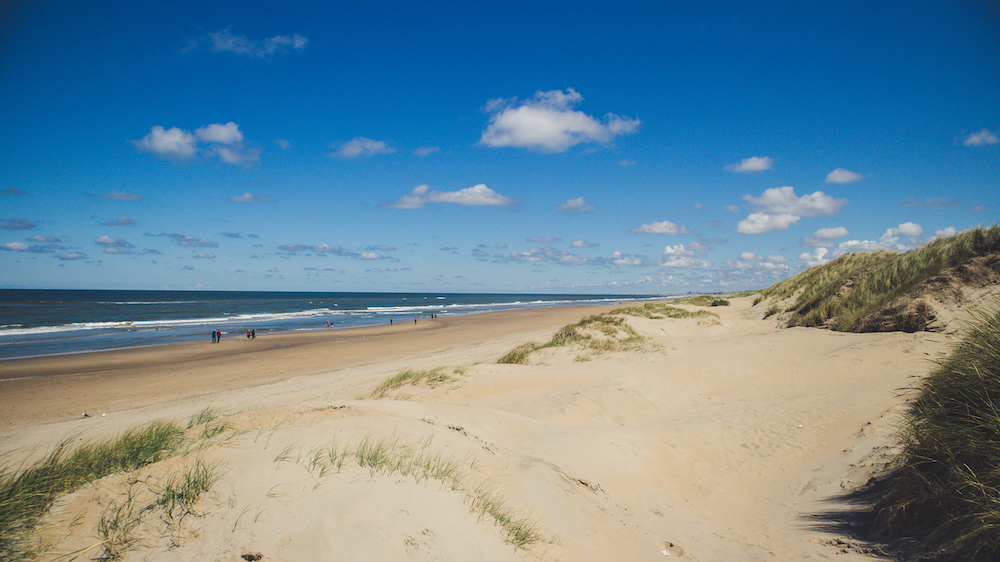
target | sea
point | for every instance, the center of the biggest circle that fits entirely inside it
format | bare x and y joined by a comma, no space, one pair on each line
37,323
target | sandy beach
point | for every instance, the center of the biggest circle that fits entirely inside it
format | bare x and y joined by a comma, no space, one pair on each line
721,438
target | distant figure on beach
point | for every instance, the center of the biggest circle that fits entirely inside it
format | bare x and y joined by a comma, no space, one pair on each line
390,320
215,336
253,334
218,336
327,324
414,320
248,335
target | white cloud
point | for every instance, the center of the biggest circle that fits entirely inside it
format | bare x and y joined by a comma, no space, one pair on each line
475,196
425,150
547,122
910,229
782,200
841,175
582,244
663,227
15,246
72,256
698,247
816,257
206,256
677,256
168,143
759,223
945,232
543,239
578,205
626,162
225,141
752,164
831,233
109,242
361,146
982,137
224,134
732,208
750,256
225,42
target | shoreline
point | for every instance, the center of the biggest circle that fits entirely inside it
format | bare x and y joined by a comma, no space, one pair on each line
60,387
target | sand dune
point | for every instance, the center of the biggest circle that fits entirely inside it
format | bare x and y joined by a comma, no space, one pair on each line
718,440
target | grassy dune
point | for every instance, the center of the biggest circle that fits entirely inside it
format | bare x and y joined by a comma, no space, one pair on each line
841,293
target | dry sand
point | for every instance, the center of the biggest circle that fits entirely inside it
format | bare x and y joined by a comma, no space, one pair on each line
719,440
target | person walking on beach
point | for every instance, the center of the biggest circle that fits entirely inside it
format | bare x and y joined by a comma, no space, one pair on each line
215,336
248,335
253,334
218,336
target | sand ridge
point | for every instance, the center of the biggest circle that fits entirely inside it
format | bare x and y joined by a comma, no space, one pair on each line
720,440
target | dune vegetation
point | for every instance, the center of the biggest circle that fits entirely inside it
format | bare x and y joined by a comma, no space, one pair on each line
842,293
616,332
944,489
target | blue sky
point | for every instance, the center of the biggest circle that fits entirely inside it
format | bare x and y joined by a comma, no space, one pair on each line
625,147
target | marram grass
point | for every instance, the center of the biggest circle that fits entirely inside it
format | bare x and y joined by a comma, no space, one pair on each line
27,493
945,488
839,294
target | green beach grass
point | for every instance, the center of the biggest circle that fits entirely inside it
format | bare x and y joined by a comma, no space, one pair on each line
945,487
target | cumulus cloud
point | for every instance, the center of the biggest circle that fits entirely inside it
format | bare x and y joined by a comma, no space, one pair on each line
362,147
205,256
250,198
582,244
982,137
677,256
168,143
425,150
831,233
17,223
752,164
945,232
543,239
779,208
120,221
814,258
224,41
578,205
44,239
841,175
663,227
910,230
15,246
783,200
699,247
547,122
224,134
108,242
70,256
475,196
760,223
224,141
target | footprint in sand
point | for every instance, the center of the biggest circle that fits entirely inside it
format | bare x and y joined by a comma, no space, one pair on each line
672,549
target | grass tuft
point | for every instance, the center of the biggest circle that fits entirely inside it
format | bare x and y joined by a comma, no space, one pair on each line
26,494
430,378
945,488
